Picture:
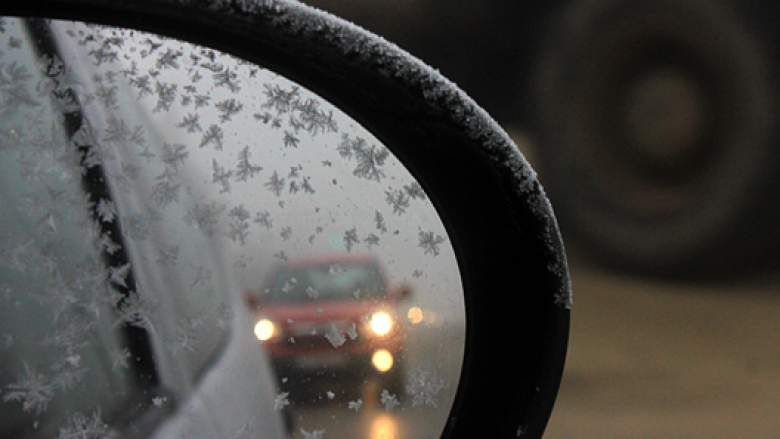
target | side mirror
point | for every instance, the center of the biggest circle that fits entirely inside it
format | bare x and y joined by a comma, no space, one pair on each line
200,142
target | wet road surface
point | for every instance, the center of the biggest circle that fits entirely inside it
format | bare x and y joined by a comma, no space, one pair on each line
655,360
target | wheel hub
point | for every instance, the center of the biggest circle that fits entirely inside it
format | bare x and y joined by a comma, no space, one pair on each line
665,117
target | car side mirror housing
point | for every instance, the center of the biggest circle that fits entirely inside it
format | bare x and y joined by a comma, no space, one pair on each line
482,243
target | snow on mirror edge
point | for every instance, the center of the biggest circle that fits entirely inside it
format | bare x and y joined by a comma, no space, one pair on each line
194,246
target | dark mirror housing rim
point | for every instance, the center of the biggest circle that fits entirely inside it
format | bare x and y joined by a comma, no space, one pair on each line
500,223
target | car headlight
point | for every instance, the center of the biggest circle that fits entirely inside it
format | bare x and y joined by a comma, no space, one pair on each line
381,323
264,330
382,360
415,315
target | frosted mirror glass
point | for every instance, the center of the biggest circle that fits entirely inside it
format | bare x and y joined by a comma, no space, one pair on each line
194,246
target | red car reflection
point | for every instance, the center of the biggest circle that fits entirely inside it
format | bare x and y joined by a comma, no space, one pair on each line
332,314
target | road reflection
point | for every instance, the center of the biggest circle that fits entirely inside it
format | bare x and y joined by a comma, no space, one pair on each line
383,426
348,407
371,423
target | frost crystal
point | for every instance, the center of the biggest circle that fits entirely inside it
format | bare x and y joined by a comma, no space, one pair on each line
430,243
424,385
174,155
213,135
336,270
306,186
168,255
312,119
564,298
220,176
103,55
399,200
81,427
388,400
228,108
239,225
415,191
350,239
158,401
225,315
281,401
379,220
31,389
136,226
314,434
169,59
355,405
106,210
190,123
352,332
107,95
166,95
264,219
245,168
371,240
279,99
120,359
116,131
281,255
227,79
184,339
137,310
290,141
204,216
275,184
245,431
119,274
369,159
335,336
202,276
166,191
345,147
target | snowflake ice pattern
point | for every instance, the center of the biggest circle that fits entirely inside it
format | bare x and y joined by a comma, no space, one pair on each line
336,337
204,216
388,400
424,386
32,389
281,400
430,242
314,434
83,427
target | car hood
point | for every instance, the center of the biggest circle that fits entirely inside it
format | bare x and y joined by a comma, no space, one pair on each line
320,311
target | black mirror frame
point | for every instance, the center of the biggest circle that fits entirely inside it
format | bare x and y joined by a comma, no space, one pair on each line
509,251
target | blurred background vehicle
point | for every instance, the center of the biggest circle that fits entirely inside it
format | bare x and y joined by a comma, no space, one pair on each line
652,123
333,316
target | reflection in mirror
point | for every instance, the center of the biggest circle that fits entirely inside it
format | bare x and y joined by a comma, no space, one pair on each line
194,246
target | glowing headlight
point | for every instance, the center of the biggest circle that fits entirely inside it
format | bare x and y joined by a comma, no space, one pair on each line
381,323
415,315
382,360
264,330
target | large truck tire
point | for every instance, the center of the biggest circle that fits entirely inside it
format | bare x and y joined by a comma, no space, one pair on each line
656,127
